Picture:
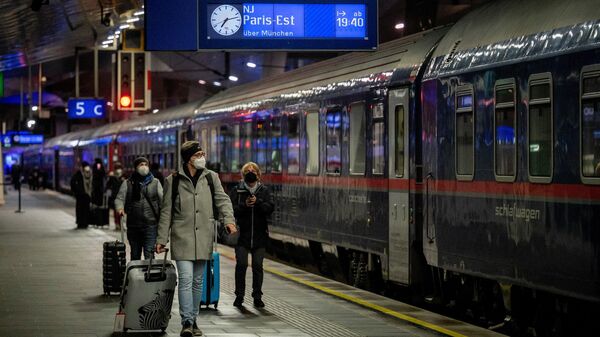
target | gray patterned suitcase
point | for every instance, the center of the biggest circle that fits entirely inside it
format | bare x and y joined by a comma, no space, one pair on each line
147,294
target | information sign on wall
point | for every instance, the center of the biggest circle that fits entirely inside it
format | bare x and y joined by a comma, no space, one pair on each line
86,108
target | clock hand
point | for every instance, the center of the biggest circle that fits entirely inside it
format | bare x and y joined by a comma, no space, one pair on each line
224,22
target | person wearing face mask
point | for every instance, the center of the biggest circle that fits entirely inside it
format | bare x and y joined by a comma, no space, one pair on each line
252,206
115,179
140,197
81,186
186,216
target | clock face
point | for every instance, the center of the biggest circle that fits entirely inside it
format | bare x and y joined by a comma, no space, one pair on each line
226,20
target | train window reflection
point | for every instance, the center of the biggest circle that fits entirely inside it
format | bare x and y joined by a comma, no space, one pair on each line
464,133
312,142
261,143
245,143
235,150
293,144
225,139
540,134
357,138
378,147
590,125
334,140
276,144
399,128
505,140
214,148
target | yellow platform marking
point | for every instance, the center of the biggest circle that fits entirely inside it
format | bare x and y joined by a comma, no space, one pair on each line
361,302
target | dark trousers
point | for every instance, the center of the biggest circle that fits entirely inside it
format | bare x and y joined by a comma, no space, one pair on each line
241,259
141,239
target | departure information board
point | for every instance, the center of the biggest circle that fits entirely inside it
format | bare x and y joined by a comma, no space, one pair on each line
261,25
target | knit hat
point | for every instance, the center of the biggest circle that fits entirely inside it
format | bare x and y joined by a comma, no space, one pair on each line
140,160
188,149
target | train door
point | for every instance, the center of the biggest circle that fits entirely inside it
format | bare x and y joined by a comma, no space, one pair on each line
399,230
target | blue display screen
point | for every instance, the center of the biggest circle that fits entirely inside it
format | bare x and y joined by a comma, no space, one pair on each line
286,21
86,108
288,24
28,139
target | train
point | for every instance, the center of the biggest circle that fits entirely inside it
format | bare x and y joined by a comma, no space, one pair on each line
460,164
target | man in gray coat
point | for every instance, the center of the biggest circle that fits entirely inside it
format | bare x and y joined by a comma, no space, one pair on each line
189,219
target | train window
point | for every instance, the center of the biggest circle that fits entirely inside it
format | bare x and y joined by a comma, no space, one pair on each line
245,143
399,131
312,142
464,132
378,140
540,134
357,137
261,145
235,150
213,155
225,140
293,144
505,126
590,124
276,144
204,140
334,140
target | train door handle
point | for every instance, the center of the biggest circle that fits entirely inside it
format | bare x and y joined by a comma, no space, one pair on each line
404,212
395,211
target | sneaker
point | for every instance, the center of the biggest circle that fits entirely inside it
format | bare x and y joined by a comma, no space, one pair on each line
196,330
187,330
259,303
238,302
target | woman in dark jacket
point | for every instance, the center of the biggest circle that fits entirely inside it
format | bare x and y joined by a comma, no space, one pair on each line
81,186
252,207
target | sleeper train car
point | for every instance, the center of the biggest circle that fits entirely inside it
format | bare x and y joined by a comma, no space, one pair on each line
460,163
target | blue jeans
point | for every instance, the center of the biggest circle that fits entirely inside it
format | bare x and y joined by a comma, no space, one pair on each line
142,239
190,288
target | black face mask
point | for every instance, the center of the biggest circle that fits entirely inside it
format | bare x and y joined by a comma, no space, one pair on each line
250,177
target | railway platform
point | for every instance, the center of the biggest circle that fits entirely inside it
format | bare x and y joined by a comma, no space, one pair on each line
51,285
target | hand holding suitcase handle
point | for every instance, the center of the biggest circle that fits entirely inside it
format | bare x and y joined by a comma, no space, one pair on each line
149,277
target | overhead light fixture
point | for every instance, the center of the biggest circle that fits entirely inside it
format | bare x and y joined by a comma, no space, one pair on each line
399,25
132,20
30,123
125,26
203,82
155,111
233,78
34,108
138,13
250,64
217,83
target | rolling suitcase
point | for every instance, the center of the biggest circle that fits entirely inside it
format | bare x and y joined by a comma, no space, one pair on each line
147,295
211,287
113,265
99,214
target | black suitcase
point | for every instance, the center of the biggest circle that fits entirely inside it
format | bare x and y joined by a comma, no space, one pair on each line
99,214
113,265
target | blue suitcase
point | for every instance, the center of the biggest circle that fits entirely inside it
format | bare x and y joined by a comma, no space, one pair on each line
211,289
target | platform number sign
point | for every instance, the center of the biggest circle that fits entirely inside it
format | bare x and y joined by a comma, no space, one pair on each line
82,108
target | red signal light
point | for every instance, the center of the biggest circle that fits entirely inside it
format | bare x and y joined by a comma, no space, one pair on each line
125,101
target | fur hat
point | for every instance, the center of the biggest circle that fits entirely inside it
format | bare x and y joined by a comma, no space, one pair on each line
140,160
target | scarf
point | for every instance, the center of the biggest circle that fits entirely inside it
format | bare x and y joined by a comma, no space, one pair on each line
138,182
252,189
87,184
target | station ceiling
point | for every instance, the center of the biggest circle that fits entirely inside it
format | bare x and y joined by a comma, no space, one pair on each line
50,34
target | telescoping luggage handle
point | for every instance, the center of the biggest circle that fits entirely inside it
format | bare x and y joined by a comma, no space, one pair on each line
156,277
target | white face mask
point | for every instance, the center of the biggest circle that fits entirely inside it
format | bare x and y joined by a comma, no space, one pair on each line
87,171
199,163
118,173
143,170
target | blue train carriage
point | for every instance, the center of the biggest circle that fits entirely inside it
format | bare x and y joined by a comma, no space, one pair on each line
511,129
157,137
63,150
334,141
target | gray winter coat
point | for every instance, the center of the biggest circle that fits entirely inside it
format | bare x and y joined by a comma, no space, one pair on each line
139,213
192,228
